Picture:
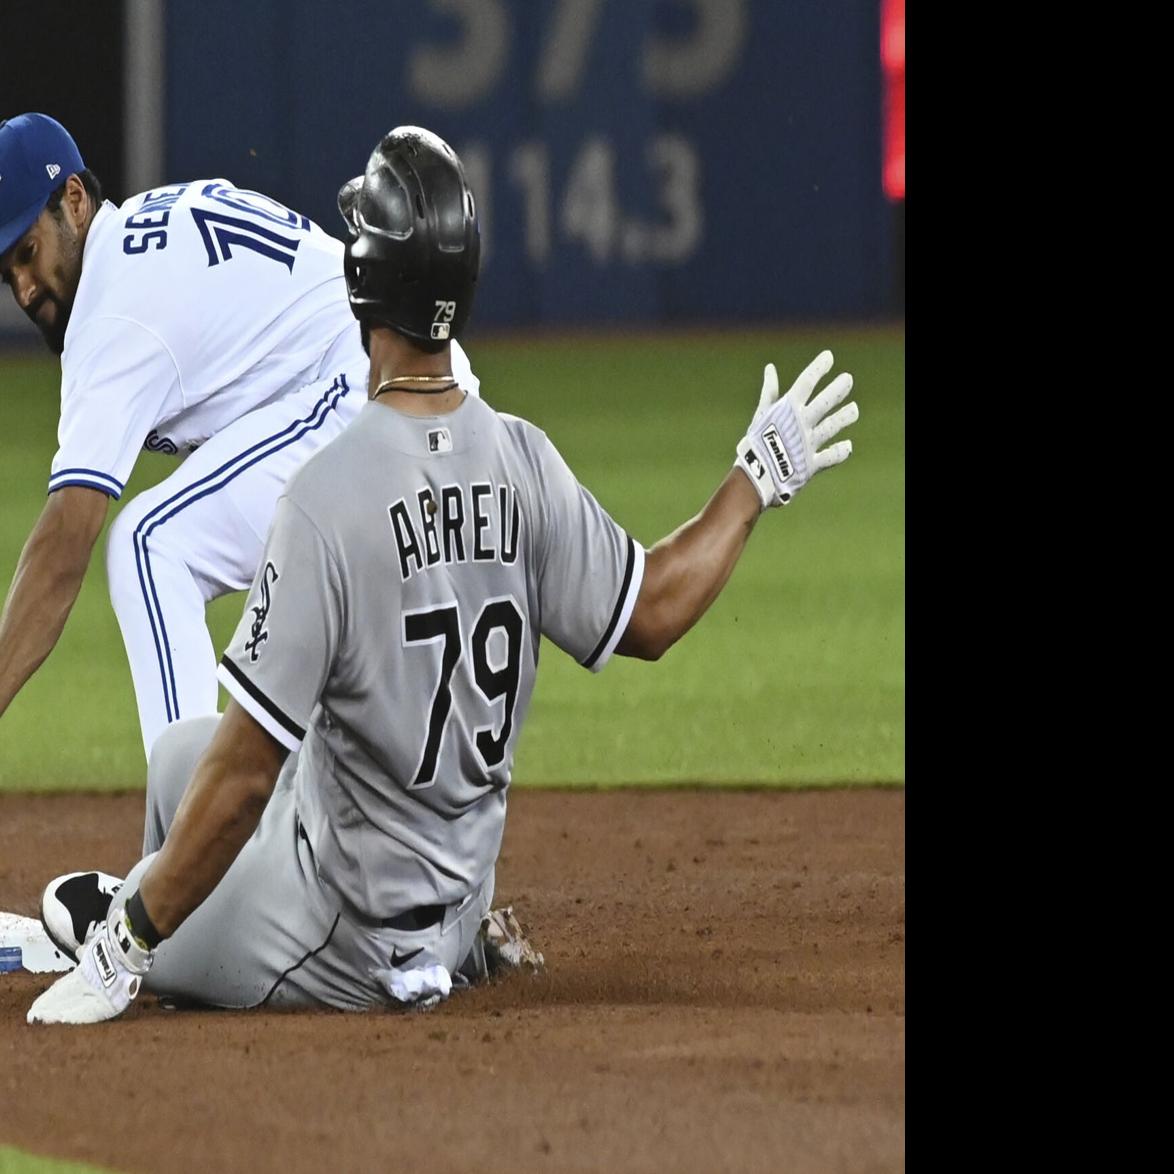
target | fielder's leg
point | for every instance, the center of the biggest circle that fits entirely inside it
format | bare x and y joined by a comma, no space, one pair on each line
200,534
169,770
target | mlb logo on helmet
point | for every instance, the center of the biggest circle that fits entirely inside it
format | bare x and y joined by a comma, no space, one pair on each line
37,154
440,329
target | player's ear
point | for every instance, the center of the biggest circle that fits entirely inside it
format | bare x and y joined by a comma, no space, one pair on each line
76,201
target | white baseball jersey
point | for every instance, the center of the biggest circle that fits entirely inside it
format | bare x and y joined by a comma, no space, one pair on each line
392,634
198,303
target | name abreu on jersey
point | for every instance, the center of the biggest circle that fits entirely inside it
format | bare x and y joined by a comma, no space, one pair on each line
479,523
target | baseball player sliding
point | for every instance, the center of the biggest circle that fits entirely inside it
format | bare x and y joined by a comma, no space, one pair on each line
197,320
391,639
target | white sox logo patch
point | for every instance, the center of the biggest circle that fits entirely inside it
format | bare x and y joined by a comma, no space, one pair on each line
774,442
259,634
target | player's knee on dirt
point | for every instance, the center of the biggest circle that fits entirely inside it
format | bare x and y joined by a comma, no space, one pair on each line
172,763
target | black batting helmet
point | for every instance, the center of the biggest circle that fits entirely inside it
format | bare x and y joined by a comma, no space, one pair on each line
414,247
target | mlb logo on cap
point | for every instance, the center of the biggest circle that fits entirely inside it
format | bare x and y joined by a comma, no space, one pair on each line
37,155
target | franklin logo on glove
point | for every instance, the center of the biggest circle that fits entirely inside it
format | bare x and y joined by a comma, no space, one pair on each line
106,969
775,443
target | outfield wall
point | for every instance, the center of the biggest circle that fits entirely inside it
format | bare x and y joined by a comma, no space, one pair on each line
635,160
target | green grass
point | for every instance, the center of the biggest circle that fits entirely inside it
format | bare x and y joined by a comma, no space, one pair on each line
796,675
18,1162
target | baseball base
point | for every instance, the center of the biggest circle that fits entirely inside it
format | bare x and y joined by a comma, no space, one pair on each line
24,946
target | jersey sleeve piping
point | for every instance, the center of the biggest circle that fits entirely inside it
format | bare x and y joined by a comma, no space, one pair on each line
622,612
90,478
260,708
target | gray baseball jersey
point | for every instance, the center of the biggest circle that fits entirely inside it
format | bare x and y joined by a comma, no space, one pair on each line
392,633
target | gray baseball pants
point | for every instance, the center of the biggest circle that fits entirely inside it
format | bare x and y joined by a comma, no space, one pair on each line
272,933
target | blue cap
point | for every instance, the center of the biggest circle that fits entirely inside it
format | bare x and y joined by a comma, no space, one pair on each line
37,155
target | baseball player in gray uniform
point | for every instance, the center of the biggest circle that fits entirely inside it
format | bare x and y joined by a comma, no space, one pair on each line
391,639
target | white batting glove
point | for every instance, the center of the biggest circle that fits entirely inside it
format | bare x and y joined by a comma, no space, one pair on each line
780,452
105,982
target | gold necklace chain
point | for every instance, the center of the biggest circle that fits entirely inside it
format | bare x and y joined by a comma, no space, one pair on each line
448,383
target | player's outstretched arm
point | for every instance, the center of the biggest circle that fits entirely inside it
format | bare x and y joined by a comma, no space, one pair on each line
781,451
47,581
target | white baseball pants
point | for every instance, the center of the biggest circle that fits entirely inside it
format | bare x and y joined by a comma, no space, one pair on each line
200,534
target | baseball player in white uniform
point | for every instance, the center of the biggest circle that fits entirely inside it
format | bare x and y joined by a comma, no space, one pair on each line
197,320
391,638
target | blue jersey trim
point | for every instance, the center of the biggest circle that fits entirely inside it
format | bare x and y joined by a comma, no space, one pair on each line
76,478
56,485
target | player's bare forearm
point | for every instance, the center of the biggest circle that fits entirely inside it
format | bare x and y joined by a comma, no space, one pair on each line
685,572
219,811
46,584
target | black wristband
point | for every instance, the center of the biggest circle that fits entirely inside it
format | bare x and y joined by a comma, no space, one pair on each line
141,924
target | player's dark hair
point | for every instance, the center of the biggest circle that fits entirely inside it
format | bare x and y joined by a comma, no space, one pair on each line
90,182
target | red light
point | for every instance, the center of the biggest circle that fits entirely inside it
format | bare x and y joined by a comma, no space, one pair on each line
893,65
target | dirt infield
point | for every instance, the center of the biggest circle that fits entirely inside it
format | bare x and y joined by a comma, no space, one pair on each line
725,991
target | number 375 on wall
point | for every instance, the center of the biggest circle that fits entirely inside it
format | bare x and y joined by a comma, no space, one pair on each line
462,72
581,209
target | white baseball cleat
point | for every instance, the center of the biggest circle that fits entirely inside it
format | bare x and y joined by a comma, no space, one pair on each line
74,905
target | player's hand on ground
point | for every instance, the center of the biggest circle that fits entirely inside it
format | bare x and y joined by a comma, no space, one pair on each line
104,983
781,450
